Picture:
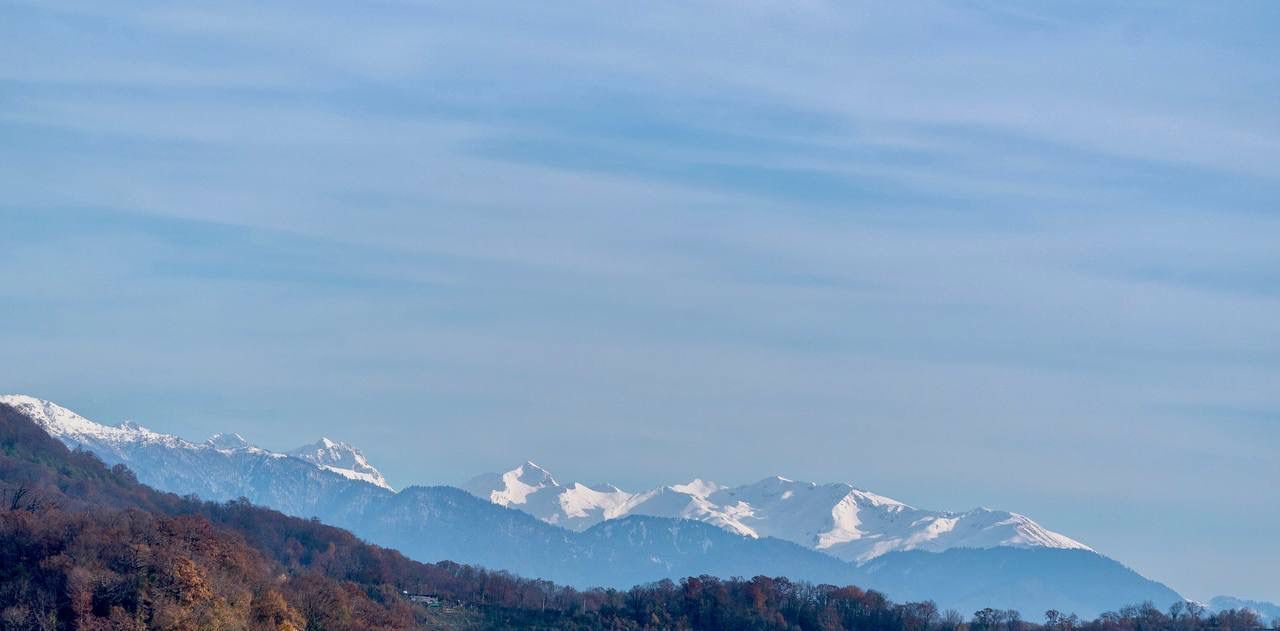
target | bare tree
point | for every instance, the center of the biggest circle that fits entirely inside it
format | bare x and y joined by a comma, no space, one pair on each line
1194,609
951,620
1013,620
1052,618
22,498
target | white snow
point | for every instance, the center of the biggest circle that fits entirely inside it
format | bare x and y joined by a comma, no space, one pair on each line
535,491
374,479
837,518
75,431
520,483
697,488
230,441
342,459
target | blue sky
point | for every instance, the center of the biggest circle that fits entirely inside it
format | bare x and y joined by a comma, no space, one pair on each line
1017,255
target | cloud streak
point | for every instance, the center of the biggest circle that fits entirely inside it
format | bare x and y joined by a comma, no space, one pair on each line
914,248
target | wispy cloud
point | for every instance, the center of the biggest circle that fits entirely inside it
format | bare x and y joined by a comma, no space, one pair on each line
837,237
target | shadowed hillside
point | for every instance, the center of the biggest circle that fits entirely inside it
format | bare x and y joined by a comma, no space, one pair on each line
83,546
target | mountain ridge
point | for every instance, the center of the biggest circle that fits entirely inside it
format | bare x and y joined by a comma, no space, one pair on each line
436,523
227,453
340,458
836,518
1268,612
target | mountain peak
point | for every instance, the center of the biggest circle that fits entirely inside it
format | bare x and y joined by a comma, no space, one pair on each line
136,427
531,473
515,486
340,458
128,439
223,440
52,417
836,518
66,425
325,444
696,487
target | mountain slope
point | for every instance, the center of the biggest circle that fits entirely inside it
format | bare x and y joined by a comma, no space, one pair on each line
224,467
432,523
634,537
428,523
638,549
87,547
1268,612
340,458
838,519
1031,580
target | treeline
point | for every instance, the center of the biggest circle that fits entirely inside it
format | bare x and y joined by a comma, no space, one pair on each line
1181,616
83,546
778,604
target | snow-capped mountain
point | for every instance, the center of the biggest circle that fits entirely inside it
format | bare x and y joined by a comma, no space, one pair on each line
224,466
531,488
603,536
230,441
835,518
342,459
72,429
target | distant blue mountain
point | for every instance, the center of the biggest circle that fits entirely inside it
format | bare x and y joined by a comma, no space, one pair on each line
333,482
438,523
1031,580
1268,612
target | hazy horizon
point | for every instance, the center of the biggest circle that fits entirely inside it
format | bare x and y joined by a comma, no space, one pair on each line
960,254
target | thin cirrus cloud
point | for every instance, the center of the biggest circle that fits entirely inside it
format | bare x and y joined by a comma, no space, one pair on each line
915,248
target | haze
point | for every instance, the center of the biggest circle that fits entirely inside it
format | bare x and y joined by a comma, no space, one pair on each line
961,254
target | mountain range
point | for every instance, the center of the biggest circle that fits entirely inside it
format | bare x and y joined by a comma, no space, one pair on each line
835,518
524,521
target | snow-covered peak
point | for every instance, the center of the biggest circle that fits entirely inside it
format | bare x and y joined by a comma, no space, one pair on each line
602,501
836,518
991,528
858,525
72,428
123,441
532,475
697,487
515,486
325,451
534,490
342,459
53,418
228,441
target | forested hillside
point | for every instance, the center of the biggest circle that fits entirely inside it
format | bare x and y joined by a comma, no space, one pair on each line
87,547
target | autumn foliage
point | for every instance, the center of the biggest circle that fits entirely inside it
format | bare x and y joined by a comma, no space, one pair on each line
84,546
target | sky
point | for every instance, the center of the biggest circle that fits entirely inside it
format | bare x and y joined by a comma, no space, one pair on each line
1019,255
